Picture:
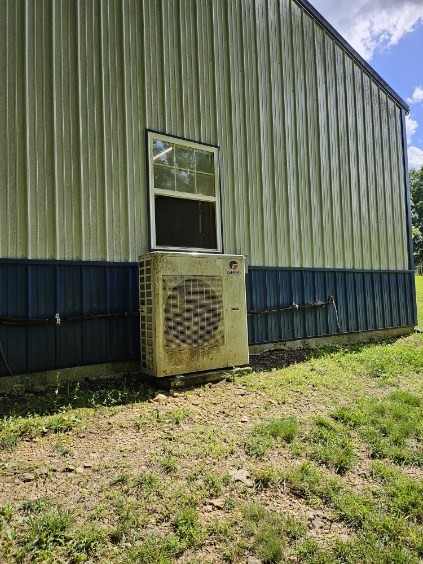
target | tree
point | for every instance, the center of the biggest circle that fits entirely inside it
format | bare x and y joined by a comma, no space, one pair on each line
416,189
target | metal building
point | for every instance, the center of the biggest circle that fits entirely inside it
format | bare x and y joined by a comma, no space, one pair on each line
302,169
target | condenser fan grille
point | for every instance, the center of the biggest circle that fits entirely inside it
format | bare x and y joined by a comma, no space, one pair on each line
193,311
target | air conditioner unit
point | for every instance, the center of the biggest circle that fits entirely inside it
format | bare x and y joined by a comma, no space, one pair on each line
193,314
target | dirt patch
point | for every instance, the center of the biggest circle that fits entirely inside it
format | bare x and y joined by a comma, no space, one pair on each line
278,359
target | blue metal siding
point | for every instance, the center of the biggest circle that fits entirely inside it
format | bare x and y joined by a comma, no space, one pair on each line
40,289
365,301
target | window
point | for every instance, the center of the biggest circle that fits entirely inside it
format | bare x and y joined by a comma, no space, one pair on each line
184,194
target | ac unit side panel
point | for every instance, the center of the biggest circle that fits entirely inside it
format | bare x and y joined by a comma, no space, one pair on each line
235,305
147,315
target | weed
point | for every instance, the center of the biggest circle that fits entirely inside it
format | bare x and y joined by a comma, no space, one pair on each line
405,398
155,549
62,449
401,494
205,484
265,478
86,541
309,551
169,463
123,479
177,416
307,482
6,513
14,429
388,426
348,416
368,548
392,424
263,436
270,532
129,519
147,482
222,530
331,445
37,505
188,528
229,504
361,511
47,527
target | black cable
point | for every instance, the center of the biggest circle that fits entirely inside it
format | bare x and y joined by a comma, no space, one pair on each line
5,361
22,322
291,307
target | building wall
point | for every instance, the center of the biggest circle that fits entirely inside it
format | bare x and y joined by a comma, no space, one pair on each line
312,163
98,305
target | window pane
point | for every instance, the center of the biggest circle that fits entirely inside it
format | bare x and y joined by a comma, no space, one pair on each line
164,178
184,157
163,153
185,181
205,184
204,161
185,223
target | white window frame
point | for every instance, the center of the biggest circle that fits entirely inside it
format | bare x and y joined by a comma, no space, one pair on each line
151,137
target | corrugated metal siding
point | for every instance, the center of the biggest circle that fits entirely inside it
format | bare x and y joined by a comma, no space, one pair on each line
365,301
311,154
37,290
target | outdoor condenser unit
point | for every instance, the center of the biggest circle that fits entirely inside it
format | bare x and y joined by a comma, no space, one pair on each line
193,314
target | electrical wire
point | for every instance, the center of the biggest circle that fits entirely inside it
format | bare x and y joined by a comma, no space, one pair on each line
292,307
3,356
26,322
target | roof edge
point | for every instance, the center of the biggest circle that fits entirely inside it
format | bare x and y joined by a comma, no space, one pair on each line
364,64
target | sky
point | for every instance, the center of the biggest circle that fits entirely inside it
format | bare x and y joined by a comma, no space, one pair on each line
388,34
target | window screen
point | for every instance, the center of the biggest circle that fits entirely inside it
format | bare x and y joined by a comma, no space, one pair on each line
185,223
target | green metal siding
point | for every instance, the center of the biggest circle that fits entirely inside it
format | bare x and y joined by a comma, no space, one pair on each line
312,163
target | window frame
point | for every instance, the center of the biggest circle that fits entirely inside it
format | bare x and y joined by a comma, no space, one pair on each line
152,191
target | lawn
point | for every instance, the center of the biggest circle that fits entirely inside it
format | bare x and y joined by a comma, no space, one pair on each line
318,462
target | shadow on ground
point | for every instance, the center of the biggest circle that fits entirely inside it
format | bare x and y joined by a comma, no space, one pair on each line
132,389
88,394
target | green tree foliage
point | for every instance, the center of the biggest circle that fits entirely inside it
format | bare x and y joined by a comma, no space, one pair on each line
416,188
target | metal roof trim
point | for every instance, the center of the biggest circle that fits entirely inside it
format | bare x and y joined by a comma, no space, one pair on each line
338,37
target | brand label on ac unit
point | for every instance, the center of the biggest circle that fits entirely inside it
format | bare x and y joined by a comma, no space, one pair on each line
233,268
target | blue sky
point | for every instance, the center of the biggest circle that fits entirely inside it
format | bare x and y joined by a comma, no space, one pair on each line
389,35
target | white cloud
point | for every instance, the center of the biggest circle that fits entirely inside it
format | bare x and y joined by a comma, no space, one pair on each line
411,126
417,96
415,157
372,24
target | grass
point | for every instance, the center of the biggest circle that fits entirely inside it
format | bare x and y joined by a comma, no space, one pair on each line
267,434
392,427
369,514
271,533
15,429
188,528
330,444
336,439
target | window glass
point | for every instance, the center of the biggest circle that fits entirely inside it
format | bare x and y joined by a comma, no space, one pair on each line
185,181
164,178
204,161
205,184
163,153
184,158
